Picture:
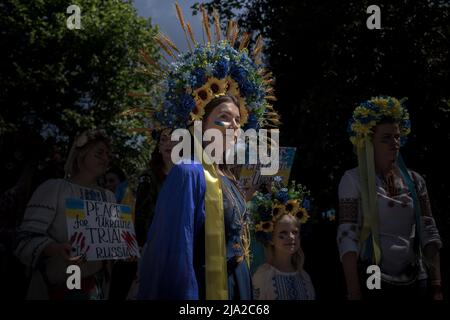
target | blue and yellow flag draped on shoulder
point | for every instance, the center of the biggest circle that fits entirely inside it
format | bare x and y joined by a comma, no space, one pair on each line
167,268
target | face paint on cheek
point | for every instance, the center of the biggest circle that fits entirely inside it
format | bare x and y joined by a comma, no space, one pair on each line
222,123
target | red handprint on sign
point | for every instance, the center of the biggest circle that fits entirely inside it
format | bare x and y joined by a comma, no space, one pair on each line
78,242
131,242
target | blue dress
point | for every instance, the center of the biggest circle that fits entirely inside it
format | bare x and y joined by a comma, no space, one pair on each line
239,277
173,263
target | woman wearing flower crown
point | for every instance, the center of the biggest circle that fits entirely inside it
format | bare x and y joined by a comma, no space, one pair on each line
385,215
173,264
197,244
278,216
43,243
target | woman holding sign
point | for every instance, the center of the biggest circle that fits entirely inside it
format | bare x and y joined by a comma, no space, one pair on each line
197,246
44,244
385,219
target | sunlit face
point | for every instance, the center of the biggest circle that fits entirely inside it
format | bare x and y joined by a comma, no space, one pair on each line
96,160
111,181
286,236
386,142
166,144
225,116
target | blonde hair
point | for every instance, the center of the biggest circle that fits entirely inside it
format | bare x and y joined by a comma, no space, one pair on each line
82,144
298,258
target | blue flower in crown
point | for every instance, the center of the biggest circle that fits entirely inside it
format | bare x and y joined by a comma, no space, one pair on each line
222,68
186,103
249,89
198,78
283,196
238,73
252,122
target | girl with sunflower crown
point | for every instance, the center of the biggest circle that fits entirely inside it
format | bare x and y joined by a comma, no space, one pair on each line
277,218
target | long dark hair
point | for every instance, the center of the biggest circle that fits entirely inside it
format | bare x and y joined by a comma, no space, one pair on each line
157,164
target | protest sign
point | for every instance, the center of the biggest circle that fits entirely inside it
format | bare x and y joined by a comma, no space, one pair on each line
100,230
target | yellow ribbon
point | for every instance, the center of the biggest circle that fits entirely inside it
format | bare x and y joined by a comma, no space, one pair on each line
215,246
366,166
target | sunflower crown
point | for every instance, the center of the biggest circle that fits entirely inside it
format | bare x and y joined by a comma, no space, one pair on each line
369,113
209,70
267,208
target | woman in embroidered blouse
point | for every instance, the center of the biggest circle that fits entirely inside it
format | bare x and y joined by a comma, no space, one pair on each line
400,245
43,243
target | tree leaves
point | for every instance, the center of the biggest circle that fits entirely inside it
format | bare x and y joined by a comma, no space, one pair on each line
73,79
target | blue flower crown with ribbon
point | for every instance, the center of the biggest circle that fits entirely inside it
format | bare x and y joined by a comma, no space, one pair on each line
369,113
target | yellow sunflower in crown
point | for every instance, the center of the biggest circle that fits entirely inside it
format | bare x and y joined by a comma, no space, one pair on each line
199,111
266,226
278,210
302,215
217,87
233,88
243,110
292,207
203,95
